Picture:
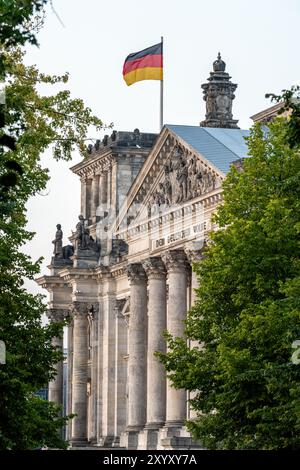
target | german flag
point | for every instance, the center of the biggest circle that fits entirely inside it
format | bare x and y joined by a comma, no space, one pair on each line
144,65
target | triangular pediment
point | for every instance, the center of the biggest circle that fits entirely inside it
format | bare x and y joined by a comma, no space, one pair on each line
173,174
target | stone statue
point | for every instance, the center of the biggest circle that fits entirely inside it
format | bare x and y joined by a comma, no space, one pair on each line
58,248
79,233
182,174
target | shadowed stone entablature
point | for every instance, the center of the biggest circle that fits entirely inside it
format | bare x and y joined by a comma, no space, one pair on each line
50,282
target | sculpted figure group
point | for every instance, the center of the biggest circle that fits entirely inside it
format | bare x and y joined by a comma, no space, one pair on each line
184,178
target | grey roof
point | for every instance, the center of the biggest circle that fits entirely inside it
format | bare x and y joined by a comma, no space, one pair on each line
219,146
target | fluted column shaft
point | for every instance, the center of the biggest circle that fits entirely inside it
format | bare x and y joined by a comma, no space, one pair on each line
70,376
79,379
194,252
103,191
137,362
156,374
56,385
94,196
83,196
176,264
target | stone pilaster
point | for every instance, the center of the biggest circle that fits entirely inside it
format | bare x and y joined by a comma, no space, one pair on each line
94,373
80,311
177,267
94,197
83,201
137,361
156,374
88,198
120,368
56,385
103,192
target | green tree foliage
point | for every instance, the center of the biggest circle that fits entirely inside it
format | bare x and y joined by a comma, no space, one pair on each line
290,101
20,20
37,122
247,313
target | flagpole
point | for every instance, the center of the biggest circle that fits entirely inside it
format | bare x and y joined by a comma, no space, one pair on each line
161,118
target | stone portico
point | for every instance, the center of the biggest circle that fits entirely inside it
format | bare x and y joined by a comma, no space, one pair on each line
146,205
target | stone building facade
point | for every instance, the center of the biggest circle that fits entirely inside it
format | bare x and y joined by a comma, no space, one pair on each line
126,276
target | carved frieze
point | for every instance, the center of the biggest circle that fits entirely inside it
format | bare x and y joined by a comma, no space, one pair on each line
185,177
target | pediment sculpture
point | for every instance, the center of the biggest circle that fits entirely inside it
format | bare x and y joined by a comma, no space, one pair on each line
185,178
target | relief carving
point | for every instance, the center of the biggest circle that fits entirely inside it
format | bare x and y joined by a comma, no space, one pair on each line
185,178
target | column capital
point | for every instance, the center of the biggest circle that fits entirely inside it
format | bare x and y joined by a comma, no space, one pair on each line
57,314
154,267
175,260
195,250
82,309
136,273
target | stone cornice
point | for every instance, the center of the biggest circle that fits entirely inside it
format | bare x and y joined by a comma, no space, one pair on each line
51,282
70,274
95,164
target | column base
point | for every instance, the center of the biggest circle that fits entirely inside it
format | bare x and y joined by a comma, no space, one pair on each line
155,425
129,439
106,441
148,439
116,441
79,442
176,437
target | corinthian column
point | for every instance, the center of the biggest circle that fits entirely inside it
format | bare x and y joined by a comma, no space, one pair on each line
176,263
94,197
156,374
56,385
194,252
79,379
137,351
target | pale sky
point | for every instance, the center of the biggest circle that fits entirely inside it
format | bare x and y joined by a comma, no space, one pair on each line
258,40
